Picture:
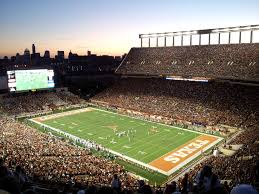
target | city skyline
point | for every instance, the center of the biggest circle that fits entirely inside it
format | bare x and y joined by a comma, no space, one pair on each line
109,28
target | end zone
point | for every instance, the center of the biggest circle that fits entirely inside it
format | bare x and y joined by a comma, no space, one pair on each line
182,155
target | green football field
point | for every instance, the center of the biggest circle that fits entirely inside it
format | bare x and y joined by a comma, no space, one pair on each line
141,140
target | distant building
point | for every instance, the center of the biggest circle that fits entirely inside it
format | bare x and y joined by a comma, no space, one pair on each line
27,57
46,54
18,59
61,55
33,49
90,63
13,58
89,53
35,58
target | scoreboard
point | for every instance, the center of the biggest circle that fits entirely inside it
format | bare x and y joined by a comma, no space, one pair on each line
35,79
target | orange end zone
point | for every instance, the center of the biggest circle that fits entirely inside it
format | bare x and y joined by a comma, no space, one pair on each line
182,153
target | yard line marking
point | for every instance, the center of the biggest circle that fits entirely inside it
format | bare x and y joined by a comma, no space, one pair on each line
101,132
125,146
141,152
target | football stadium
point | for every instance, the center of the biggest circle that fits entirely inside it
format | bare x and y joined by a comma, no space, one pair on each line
177,114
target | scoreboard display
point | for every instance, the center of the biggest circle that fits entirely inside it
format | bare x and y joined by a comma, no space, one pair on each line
24,80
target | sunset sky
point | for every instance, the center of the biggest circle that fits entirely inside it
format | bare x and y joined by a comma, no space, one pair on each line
109,26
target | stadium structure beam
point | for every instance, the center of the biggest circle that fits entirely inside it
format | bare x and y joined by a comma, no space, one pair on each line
229,30
251,36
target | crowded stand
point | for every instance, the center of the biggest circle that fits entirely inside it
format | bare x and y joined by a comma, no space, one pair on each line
47,164
204,103
39,163
46,159
37,102
232,61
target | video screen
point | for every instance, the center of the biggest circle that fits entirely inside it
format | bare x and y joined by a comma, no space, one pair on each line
24,80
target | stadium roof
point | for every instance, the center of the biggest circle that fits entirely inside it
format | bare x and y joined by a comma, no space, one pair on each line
204,31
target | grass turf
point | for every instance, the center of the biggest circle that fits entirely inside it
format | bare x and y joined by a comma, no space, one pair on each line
144,141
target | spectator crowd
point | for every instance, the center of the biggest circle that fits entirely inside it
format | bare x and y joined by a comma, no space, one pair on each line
29,157
231,61
206,103
35,102
46,159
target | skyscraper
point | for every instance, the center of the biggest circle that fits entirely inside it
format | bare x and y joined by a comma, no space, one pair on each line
61,55
33,49
27,57
46,54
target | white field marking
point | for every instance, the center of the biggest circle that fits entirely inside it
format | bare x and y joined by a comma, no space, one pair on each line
90,134
194,156
79,130
180,139
156,123
62,124
143,123
70,127
74,124
55,121
142,153
185,161
142,163
113,142
132,121
125,146
167,130
63,114
101,138
111,151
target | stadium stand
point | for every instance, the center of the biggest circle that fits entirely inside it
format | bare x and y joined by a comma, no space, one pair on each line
47,159
206,103
35,102
232,61
46,164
